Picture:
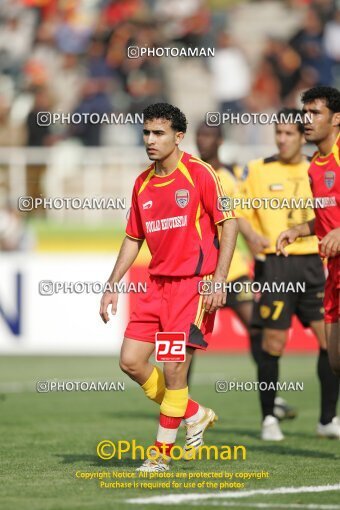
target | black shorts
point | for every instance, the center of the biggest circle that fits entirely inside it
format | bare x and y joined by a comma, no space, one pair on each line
275,309
239,293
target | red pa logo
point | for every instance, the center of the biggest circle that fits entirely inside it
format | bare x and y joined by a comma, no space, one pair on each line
170,347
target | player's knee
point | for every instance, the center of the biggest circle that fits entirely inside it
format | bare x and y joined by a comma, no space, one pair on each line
334,362
274,342
335,366
129,365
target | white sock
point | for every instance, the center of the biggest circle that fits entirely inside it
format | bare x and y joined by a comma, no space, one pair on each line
195,417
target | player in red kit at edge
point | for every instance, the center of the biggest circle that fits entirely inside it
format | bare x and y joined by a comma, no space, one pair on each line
175,208
323,104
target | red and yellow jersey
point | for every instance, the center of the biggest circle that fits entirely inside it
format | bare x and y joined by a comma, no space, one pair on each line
239,265
324,176
177,215
267,179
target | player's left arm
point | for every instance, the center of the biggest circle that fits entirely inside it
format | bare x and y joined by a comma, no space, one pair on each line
289,236
330,244
217,298
211,194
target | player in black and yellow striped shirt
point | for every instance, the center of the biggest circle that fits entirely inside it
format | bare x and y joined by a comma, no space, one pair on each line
208,141
284,176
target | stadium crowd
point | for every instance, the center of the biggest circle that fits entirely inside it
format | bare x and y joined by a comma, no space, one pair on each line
51,47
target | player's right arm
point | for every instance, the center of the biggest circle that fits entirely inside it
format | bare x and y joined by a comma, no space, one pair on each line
255,241
246,215
126,257
290,235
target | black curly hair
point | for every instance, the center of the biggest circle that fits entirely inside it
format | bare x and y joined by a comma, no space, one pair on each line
293,113
330,95
166,111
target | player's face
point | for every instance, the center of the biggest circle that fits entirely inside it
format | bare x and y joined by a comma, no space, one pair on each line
208,142
322,121
288,140
160,139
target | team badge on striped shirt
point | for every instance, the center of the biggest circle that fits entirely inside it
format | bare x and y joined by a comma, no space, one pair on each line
182,197
329,179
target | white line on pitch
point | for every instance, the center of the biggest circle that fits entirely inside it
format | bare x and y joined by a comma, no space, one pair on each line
308,506
181,498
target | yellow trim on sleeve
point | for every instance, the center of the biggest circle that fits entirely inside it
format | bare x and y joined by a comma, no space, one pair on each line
135,238
230,216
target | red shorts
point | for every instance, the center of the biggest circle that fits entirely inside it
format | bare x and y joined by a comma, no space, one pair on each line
332,290
171,304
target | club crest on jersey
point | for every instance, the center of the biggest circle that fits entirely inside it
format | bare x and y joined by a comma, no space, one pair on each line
182,197
329,179
276,187
265,311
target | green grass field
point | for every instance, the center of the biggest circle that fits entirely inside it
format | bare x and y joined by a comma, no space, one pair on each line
47,437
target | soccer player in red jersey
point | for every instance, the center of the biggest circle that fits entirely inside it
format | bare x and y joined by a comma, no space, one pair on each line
323,105
175,208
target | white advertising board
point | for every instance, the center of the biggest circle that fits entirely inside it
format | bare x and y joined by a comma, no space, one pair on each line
63,322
